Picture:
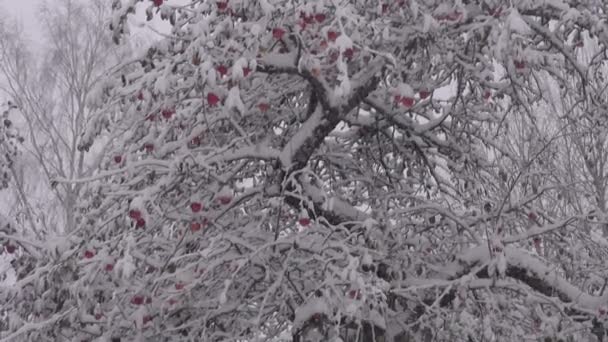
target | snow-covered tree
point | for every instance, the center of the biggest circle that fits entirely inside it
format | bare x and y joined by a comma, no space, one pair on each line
332,170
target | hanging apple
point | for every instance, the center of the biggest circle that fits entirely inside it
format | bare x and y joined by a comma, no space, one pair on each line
89,254
140,223
222,5
158,3
246,71
137,300
213,99
263,107
109,267
278,33
224,199
407,101
320,17
135,214
304,221
10,249
222,70
519,64
98,316
196,207
117,159
424,93
195,226
149,147
179,286
167,113
332,36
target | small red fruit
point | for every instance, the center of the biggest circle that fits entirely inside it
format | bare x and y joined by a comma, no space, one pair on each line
149,147
532,216
519,64
212,99
137,300
98,316
424,94
278,33
109,267
117,159
348,53
140,96
10,249
320,17
89,254
222,5
407,101
246,71
157,3
304,221
147,318
332,35
141,223
225,199
179,286
222,70
134,214
195,226
487,94
354,294
196,207
263,107
167,113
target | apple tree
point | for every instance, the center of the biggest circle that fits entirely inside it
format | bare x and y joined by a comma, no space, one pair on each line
330,171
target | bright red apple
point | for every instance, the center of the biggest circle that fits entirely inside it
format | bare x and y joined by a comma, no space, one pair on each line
246,71
137,300
407,101
10,249
332,35
304,221
212,99
424,94
141,223
196,207
222,5
117,159
320,17
348,53
224,199
278,33
167,113
109,267
134,214
263,107
179,286
157,3
222,70
89,254
195,226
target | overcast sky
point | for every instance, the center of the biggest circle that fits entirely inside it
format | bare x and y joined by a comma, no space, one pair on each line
25,12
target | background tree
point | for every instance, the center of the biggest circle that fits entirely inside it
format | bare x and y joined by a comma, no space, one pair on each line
319,170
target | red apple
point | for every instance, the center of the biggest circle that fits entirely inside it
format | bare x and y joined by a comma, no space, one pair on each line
134,214
348,53
407,101
179,286
141,223
137,300
320,17
89,254
222,5
167,113
224,199
222,70
195,226
117,159
332,35
246,71
277,33
263,107
519,64
109,267
354,294
149,147
213,99
140,96
98,316
10,249
196,207
157,3
147,318
424,94
304,221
